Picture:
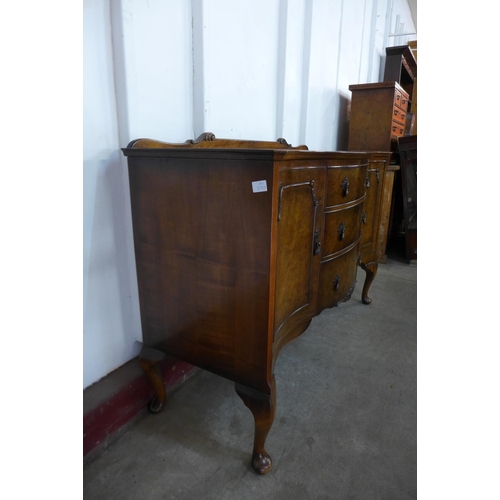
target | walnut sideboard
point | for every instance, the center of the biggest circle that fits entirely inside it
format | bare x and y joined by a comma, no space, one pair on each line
238,245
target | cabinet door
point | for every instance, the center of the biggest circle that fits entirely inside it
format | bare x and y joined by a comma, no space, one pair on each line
299,230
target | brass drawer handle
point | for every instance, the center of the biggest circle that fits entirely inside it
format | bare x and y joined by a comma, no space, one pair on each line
336,283
377,175
341,231
298,184
345,186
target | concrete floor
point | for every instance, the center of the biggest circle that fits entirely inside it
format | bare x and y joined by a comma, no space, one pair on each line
345,425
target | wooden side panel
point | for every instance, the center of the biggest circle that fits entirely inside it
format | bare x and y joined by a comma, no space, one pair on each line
202,241
385,212
376,176
371,119
368,233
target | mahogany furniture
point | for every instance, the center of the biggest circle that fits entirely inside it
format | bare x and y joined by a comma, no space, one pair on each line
401,67
377,119
378,116
413,95
380,111
238,245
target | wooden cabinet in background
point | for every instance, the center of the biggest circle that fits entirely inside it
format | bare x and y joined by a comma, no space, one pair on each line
238,245
401,67
377,117
406,200
381,114
413,96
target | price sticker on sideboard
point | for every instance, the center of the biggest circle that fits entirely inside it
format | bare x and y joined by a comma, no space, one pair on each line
259,186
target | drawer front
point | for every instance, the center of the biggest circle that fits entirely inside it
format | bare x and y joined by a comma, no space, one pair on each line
342,228
397,130
345,184
398,115
337,279
401,100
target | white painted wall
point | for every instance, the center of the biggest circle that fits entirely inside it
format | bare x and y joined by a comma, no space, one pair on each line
172,69
108,311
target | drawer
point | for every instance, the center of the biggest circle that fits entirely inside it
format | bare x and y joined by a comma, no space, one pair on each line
345,184
404,102
342,228
337,279
397,130
401,100
398,115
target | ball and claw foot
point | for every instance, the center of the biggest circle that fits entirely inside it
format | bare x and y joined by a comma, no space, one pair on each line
262,463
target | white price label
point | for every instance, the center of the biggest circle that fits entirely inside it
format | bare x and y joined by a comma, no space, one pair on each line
259,186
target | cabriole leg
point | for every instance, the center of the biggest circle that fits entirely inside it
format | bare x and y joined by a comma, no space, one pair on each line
150,360
263,408
371,272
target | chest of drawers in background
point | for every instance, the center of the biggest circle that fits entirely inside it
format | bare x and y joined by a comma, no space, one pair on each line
378,116
377,119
